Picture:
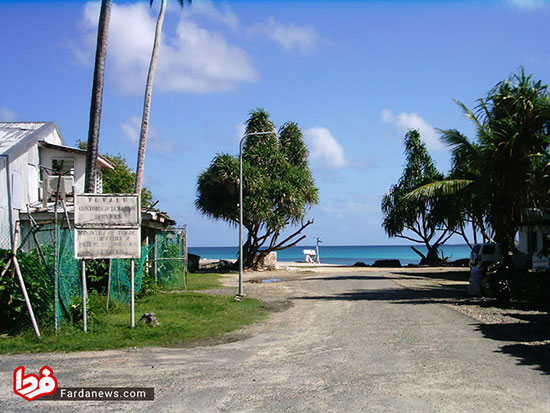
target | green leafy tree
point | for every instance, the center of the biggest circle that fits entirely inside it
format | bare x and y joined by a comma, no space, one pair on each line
419,221
278,188
506,169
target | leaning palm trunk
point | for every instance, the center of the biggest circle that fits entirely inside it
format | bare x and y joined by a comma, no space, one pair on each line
147,100
97,95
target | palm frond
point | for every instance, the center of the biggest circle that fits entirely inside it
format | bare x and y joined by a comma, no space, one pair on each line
471,115
439,188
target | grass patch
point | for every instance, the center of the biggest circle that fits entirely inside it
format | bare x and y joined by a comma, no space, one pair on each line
182,317
200,281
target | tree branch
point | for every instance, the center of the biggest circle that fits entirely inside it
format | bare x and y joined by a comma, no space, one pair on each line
280,244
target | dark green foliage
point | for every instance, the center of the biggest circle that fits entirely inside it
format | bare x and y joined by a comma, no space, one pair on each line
278,187
14,315
426,220
97,274
507,168
507,163
121,180
148,287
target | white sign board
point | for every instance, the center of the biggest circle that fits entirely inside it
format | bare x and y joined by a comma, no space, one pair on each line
107,243
107,226
93,210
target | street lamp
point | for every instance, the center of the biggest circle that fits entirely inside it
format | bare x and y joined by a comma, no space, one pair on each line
240,295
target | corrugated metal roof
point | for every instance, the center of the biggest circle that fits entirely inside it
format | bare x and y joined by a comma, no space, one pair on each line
12,133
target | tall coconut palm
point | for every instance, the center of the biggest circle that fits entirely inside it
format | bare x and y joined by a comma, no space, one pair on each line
97,95
148,94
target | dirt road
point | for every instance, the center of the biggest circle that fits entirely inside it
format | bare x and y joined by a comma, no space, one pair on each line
349,342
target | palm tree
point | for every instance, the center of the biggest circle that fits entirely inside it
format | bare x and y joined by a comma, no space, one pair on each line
426,221
97,95
500,171
148,94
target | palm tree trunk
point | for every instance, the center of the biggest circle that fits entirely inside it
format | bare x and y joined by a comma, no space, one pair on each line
147,100
97,95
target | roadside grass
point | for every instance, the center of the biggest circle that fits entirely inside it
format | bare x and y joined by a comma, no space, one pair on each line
199,281
183,316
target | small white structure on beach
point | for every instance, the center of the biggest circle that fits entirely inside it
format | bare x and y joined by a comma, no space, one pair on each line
309,255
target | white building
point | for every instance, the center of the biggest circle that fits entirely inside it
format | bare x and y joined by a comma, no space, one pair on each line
31,153
534,237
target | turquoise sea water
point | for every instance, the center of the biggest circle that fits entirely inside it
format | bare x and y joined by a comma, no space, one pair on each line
342,255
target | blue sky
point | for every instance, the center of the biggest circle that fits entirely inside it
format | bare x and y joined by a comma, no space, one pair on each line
354,75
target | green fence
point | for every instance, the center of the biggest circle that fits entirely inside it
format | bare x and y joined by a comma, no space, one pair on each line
170,259
42,264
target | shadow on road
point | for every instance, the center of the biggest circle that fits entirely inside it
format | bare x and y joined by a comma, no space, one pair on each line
449,275
531,335
447,293
346,277
443,275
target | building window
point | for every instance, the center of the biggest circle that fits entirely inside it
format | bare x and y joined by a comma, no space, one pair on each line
63,166
98,182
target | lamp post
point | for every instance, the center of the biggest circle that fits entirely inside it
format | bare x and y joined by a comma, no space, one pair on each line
240,295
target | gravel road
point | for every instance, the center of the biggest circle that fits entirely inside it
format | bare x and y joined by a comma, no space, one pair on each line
348,342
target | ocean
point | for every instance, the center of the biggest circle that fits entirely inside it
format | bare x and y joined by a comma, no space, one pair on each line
343,255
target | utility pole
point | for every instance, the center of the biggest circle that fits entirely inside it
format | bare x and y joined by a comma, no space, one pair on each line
317,248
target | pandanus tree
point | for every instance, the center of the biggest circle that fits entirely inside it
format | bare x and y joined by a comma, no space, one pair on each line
278,188
97,95
505,170
420,221
149,93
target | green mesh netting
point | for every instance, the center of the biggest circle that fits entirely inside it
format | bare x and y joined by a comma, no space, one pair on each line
120,276
69,282
36,258
170,260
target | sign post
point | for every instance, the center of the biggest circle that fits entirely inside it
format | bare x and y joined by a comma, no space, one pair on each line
108,226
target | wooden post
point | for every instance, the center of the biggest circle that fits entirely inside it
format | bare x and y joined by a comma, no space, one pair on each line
132,298
84,296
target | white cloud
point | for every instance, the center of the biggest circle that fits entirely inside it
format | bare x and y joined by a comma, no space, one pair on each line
207,9
155,141
359,206
290,36
7,115
131,129
405,121
325,147
526,4
193,59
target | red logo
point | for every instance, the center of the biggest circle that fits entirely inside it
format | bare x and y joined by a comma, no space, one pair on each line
31,387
